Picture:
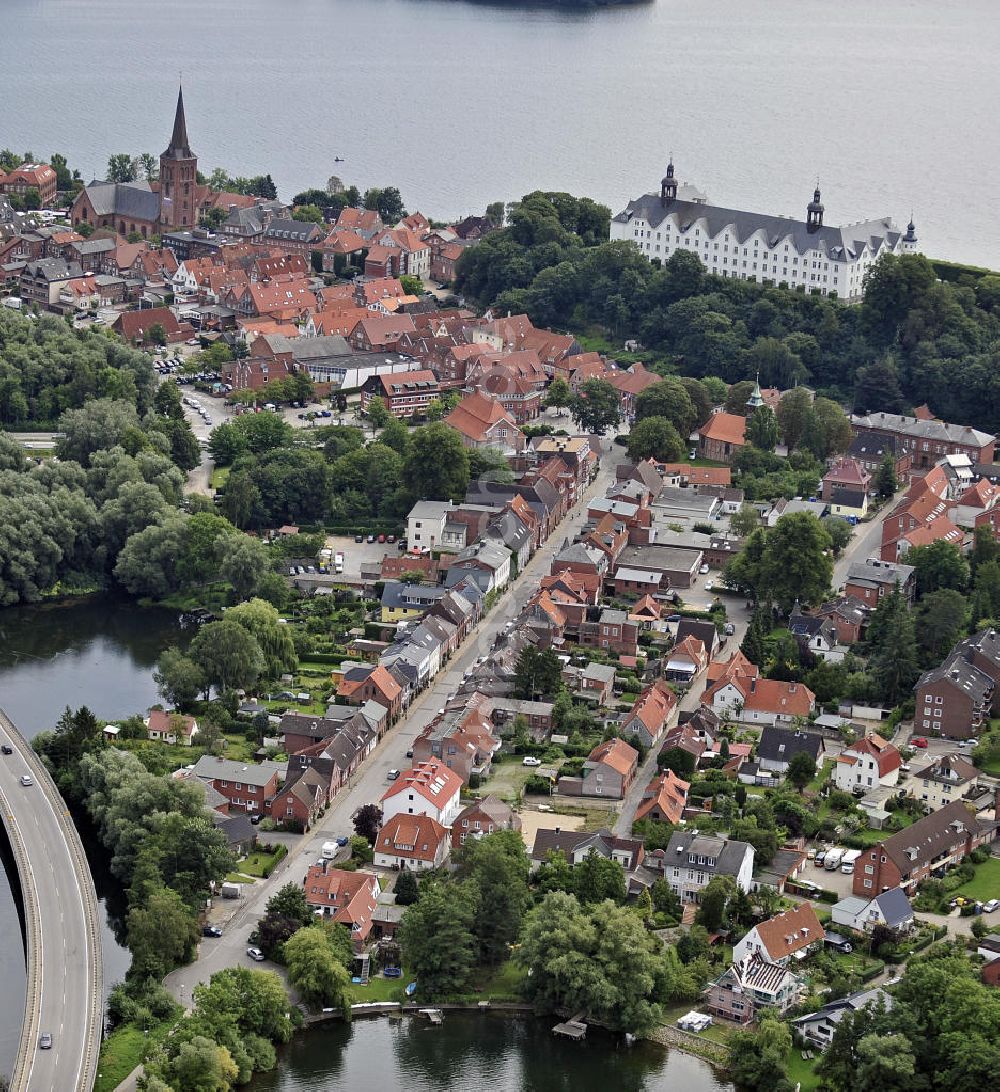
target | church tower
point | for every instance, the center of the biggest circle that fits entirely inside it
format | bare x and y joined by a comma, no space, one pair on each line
179,177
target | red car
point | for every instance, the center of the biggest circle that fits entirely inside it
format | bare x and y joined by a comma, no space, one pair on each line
918,741
381,538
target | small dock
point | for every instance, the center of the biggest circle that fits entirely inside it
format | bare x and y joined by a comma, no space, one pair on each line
434,1015
571,1029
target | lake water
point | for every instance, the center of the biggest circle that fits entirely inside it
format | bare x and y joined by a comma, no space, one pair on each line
890,104
470,1052
98,652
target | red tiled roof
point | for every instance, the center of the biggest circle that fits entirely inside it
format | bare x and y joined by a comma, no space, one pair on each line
617,754
729,428
411,838
789,932
431,779
666,794
701,475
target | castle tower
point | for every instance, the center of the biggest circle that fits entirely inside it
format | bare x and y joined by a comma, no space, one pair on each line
178,177
814,213
910,238
668,186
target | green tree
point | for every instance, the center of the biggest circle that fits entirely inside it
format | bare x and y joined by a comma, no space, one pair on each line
378,413
756,1060
368,822
538,673
886,1063
891,635
885,477
597,878
737,397
677,759
407,889
797,563
122,168
744,521
273,638
559,395
985,548
201,1065
596,406
178,678
437,466
162,934
498,866
941,620
315,971
762,429
243,563
938,565
793,416
840,533
713,902
438,939
228,654
655,438
801,769
669,399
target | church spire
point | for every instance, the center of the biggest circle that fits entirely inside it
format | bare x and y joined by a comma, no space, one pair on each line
179,147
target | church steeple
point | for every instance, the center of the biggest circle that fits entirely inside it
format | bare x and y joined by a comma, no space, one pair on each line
814,211
179,176
756,399
179,148
668,186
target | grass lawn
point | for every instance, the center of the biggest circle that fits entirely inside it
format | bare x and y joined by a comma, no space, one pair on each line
257,863
801,1071
123,1050
379,989
985,885
239,877
992,768
220,475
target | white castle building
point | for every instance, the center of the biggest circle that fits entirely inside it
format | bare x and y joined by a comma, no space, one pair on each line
757,247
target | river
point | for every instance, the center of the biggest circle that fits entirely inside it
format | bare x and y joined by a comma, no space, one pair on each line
890,104
470,1052
97,652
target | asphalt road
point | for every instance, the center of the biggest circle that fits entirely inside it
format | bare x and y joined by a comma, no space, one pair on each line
64,941
370,781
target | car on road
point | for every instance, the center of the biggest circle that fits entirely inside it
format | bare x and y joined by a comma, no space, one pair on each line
211,931
392,775
530,760
919,741
45,1040
409,753
7,750
342,840
26,780
989,907
255,954
973,742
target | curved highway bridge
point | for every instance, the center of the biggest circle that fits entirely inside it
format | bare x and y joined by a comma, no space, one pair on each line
64,989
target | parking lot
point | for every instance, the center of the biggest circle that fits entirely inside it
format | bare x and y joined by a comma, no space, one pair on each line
357,554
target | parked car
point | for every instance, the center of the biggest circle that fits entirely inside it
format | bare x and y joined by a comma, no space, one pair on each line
919,741
819,858
989,907
342,840
392,775
390,538
359,538
371,538
255,954
673,617
211,931
841,944
709,585
704,570
381,538
530,760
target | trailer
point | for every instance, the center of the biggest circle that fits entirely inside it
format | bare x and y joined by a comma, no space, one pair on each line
831,862
847,861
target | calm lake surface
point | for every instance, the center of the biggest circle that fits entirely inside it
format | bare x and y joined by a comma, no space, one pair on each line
474,1053
891,104
98,652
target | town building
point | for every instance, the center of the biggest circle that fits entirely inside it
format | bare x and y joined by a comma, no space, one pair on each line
737,691
406,394
948,777
663,799
250,786
778,746
792,934
818,1028
483,817
427,788
750,985
348,898
866,764
608,771
804,254
722,436
936,842
692,860
958,698
171,727
417,842
845,488
926,442
869,581
889,909
653,711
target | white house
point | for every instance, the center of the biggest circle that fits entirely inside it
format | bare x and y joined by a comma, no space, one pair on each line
428,788
759,247
692,860
867,764
425,523
793,933
890,909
